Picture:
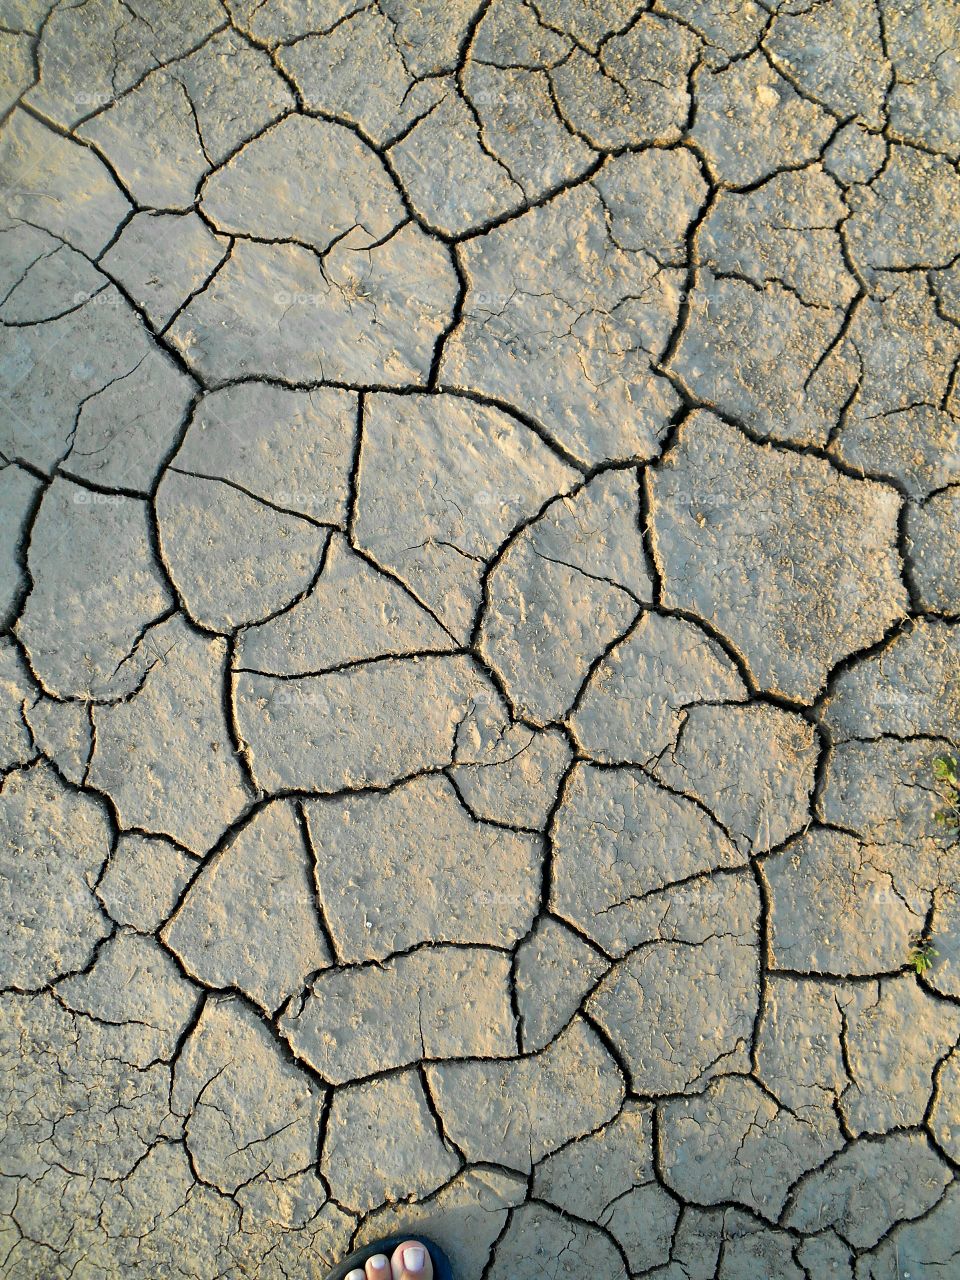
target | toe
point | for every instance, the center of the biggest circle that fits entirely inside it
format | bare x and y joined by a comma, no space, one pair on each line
411,1261
378,1267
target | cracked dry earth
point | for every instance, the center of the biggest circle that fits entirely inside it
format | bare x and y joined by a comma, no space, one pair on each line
481,598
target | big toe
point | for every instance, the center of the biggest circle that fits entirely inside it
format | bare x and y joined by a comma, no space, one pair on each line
411,1261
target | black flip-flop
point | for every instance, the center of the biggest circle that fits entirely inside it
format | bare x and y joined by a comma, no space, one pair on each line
441,1263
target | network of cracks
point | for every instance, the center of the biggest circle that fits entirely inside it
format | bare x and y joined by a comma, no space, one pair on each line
479,567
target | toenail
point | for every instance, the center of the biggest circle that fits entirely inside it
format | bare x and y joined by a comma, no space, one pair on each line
413,1259
356,1274
380,1262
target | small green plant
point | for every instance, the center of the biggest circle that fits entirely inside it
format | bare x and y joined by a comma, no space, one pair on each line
945,772
922,956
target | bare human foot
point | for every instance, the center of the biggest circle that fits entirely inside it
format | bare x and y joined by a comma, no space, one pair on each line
410,1261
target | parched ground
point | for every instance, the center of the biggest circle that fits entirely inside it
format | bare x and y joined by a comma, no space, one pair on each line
480,579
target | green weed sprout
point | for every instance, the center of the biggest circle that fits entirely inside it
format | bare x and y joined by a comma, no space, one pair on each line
922,956
945,772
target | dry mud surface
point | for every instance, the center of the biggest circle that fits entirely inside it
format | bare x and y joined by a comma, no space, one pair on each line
480,592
